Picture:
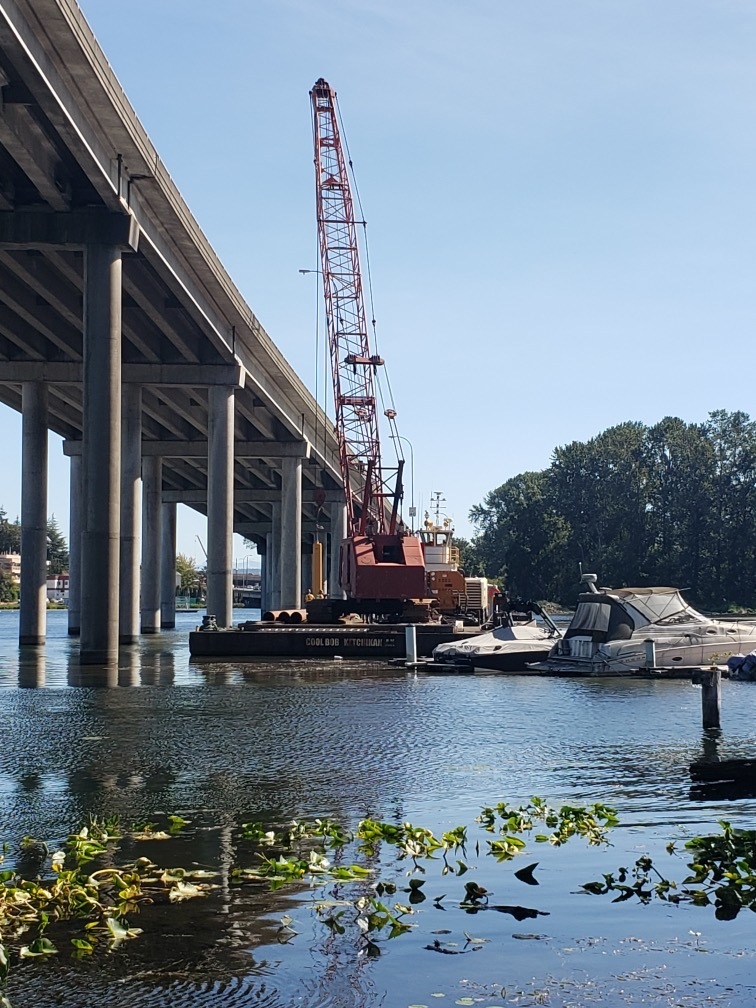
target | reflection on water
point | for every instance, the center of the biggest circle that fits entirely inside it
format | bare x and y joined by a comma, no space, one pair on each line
152,662
31,667
226,743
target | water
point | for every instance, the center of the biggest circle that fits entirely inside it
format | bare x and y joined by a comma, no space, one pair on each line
232,742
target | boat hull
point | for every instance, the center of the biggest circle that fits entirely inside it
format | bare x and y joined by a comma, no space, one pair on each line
691,647
513,661
507,648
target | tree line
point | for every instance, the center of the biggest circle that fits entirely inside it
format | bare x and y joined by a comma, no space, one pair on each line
10,542
671,504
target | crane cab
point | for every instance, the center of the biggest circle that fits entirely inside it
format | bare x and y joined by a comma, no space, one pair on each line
382,567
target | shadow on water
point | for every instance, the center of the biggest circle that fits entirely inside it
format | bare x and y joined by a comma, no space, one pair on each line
720,779
711,739
133,668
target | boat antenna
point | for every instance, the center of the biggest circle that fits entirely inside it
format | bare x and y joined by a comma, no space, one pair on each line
438,500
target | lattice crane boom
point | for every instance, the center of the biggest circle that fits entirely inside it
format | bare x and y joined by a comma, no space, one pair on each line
352,363
381,567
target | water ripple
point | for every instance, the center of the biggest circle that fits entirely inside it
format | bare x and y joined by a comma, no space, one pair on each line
224,744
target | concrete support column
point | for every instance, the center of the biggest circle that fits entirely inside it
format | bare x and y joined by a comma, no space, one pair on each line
152,521
33,607
263,551
131,513
168,569
291,533
74,546
275,558
101,455
338,534
220,504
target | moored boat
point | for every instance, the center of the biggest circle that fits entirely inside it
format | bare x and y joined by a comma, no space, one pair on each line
517,640
621,630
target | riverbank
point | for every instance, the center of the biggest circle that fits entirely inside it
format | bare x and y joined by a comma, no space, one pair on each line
50,606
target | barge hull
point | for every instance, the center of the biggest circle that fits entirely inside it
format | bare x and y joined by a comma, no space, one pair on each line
270,640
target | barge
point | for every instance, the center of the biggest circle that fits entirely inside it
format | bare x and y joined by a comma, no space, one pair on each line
355,640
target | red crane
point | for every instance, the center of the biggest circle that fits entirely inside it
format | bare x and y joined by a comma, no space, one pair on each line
381,566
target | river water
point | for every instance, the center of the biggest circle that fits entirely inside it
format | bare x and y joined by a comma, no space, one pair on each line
227,743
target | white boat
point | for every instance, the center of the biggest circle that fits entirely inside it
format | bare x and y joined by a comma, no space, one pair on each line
616,630
508,647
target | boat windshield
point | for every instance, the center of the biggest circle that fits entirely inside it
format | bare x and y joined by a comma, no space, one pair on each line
603,618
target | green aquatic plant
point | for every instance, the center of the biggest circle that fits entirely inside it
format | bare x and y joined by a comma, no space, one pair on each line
330,832
65,888
67,884
369,917
722,874
592,823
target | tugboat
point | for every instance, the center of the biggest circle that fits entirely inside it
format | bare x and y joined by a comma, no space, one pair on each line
458,597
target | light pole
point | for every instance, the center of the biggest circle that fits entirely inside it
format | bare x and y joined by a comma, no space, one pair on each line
246,567
412,511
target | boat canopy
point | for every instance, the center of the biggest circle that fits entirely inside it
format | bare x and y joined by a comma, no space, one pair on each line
606,616
659,605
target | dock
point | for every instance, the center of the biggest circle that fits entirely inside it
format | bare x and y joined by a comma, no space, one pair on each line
723,780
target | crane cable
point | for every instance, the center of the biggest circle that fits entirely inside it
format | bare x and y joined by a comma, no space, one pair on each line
320,411
393,436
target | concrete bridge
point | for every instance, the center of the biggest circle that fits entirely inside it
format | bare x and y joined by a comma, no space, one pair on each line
121,331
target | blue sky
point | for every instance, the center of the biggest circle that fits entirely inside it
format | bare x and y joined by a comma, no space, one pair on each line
559,196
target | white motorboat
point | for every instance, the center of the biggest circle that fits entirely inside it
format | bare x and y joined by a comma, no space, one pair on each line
617,630
508,647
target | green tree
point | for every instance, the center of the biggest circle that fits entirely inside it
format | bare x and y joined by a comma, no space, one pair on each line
57,548
681,466
599,487
8,589
470,560
10,534
522,538
733,550
670,504
189,575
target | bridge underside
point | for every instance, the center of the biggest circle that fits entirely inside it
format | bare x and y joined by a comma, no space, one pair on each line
78,174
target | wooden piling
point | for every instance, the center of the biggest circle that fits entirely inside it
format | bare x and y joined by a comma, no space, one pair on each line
710,681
